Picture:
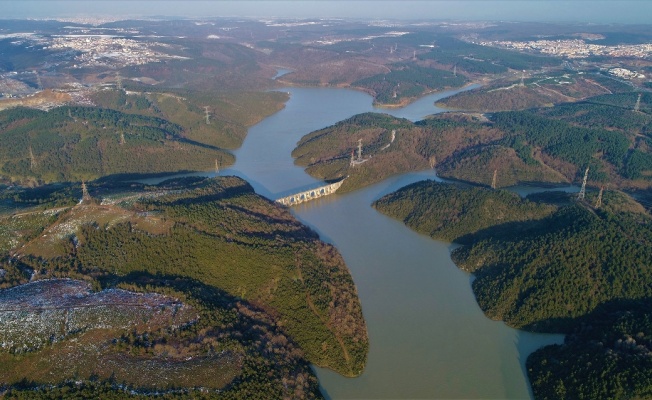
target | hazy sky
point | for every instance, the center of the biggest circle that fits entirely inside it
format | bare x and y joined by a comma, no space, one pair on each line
613,11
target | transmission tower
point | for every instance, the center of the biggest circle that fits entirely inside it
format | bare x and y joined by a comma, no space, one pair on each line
598,203
352,158
582,193
32,159
217,167
637,106
455,70
208,122
85,196
493,181
38,80
522,84
359,149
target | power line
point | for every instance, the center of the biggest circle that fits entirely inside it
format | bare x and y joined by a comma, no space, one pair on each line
637,106
208,122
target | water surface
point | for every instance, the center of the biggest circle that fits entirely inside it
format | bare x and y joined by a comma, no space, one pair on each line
428,337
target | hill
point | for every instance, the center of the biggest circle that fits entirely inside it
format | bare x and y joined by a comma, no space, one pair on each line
230,112
73,143
326,153
532,262
268,293
407,82
455,214
566,268
544,276
539,90
553,145
608,356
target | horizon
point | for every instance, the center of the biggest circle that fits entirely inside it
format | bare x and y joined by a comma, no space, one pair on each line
577,11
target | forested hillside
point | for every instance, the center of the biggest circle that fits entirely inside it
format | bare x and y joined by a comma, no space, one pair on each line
449,212
565,268
74,143
545,275
607,357
270,296
521,91
553,145
406,82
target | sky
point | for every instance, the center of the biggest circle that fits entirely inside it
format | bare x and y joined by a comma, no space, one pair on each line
588,11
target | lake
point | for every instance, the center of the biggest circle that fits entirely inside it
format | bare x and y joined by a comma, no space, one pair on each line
428,337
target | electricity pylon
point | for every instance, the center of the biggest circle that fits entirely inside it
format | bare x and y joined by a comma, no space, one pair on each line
582,193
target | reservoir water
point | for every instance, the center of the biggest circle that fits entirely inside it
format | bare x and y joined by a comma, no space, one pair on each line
428,337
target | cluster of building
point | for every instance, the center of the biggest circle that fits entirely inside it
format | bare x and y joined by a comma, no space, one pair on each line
625,73
108,50
575,48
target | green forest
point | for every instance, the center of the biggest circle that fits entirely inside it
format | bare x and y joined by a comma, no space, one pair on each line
524,278
553,145
606,356
75,143
552,264
407,82
455,214
143,133
267,290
